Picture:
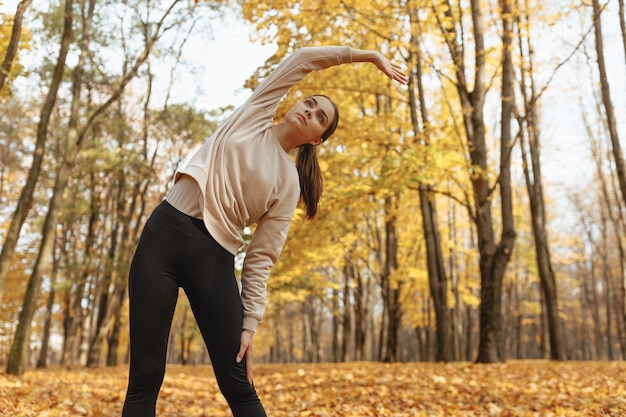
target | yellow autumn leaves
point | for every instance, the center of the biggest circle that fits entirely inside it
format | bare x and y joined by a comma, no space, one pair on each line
516,388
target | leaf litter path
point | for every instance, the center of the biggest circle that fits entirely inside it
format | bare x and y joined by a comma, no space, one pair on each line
361,389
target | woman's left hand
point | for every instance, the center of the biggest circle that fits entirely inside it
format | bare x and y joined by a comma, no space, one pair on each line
391,69
245,351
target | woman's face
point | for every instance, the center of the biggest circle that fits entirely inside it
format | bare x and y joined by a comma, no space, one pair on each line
312,116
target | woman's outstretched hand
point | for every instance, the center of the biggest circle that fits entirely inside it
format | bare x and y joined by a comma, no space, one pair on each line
390,69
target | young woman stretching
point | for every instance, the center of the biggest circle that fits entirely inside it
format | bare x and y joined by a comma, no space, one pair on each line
242,175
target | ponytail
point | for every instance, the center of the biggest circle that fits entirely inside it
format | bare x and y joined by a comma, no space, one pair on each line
311,181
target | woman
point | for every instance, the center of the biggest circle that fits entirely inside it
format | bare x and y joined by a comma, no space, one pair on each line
241,176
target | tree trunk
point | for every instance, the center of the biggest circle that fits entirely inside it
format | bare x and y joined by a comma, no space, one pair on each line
593,303
606,100
584,333
360,317
42,362
335,326
615,217
494,256
606,281
114,341
73,310
104,313
182,359
347,313
621,13
391,290
457,312
468,332
311,332
13,46
112,310
26,196
290,343
534,186
17,357
622,285
437,277
117,270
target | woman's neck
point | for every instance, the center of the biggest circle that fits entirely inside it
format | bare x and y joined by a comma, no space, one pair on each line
285,136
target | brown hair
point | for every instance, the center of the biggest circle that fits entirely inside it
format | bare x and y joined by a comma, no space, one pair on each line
311,180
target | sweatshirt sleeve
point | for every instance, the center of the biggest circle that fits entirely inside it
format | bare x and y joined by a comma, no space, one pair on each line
293,68
262,253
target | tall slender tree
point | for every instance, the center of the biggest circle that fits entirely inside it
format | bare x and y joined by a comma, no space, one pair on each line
607,102
494,254
529,135
437,276
18,354
621,13
26,197
610,118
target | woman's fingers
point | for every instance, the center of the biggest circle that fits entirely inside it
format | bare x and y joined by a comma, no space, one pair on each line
245,351
391,69
397,74
249,367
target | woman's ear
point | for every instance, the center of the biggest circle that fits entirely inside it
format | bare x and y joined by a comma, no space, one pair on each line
315,141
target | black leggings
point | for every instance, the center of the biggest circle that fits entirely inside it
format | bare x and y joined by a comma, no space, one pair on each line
176,250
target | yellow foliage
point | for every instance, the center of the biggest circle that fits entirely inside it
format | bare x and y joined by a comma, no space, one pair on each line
416,275
531,308
6,26
470,299
15,287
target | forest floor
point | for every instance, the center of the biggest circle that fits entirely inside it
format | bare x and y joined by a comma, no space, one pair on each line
361,389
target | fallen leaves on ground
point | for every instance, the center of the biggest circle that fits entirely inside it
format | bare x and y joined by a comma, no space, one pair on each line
361,389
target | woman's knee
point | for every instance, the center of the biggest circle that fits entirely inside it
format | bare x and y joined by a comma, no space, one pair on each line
234,385
147,377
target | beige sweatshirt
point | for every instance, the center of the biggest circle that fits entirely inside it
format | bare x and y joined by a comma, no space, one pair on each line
246,177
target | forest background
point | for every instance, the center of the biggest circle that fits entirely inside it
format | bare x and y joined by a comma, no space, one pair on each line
476,214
